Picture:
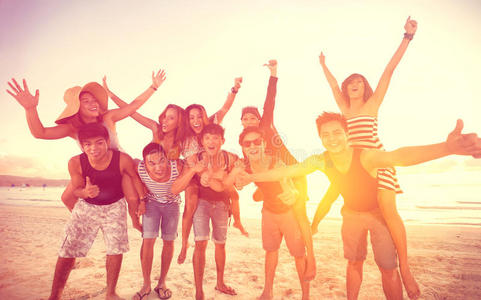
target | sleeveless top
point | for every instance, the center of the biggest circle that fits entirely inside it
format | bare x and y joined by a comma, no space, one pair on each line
109,180
362,133
357,187
160,191
207,193
271,190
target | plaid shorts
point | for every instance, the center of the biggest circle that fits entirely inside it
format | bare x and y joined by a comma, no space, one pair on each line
87,219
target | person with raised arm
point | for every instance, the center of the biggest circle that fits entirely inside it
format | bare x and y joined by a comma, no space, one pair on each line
87,104
275,146
354,171
360,105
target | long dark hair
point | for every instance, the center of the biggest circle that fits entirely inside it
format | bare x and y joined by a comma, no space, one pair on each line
367,88
180,132
205,119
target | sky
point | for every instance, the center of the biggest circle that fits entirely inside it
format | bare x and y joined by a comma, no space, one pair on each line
204,45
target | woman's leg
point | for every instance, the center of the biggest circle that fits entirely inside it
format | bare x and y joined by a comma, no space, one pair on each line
68,198
234,197
132,199
301,217
387,204
191,198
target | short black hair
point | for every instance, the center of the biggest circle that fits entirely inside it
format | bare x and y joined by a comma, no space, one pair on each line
212,129
153,148
92,130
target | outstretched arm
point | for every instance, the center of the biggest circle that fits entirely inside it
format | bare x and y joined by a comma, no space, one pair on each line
324,206
456,143
336,91
219,115
123,112
147,122
381,89
30,103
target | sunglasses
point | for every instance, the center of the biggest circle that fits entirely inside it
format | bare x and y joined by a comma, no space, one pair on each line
256,142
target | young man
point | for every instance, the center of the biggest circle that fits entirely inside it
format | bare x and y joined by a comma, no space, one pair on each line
160,209
275,147
278,217
96,177
353,171
209,168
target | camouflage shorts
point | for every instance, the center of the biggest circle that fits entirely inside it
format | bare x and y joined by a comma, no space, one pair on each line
86,221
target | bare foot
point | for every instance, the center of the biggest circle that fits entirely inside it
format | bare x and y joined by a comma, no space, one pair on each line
113,296
225,289
182,254
239,226
266,296
310,272
410,284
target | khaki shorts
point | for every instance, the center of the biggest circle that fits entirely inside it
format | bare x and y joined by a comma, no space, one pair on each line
355,226
275,226
87,219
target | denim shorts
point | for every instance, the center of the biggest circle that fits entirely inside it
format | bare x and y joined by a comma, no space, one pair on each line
160,215
218,212
355,226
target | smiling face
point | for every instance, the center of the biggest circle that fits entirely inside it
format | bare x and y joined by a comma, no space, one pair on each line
249,120
253,146
95,148
157,165
170,121
212,143
333,136
196,121
89,106
355,88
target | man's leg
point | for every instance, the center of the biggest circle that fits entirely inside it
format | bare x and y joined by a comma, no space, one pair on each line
167,254
301,264
391,284
146,258
387,204
269,274
62,270
353,278
199,266
113,264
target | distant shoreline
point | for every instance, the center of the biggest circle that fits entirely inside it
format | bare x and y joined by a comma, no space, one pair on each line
20,181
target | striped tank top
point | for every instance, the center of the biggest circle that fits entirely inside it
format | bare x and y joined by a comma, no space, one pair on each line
362,133
160,191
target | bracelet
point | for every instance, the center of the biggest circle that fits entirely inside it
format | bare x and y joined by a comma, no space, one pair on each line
408,36
234,90
153,87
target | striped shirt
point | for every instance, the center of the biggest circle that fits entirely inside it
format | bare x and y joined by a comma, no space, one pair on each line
160,191
362,133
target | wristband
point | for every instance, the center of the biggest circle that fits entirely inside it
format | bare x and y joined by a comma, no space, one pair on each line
153,87
408,36
234,90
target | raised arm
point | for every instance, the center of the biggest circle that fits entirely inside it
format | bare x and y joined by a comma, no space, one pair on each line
125,111
147,122
267,118
219,115
30,103
336,91
381,89
456,143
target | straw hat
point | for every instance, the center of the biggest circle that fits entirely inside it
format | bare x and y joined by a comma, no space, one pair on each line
71,98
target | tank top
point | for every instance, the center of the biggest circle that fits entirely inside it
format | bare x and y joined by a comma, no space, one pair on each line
160,191
207,193
271,190
357,187
109,180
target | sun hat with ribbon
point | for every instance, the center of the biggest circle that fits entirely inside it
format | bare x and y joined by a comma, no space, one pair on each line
71,98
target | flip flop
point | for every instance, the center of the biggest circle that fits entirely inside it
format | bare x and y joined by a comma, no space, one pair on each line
141,296
226,290
163,293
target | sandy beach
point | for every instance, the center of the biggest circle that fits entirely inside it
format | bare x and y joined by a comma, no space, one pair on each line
445,259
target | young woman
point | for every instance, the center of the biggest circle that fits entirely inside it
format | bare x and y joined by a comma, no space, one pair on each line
87,104
360,105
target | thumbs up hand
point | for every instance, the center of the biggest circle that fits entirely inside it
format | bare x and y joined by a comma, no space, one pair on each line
90,190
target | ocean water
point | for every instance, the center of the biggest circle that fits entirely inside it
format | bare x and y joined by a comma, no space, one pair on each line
451,198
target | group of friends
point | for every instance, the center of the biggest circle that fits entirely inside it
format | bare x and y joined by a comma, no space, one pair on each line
185,155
